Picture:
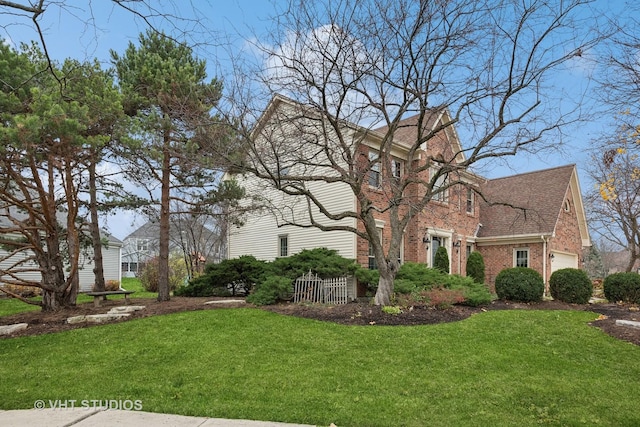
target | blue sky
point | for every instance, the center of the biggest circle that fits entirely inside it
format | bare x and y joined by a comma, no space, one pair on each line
68,35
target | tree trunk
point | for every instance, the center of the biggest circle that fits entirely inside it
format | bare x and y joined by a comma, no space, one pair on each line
98,268
163,250
73,241
54,286
385,290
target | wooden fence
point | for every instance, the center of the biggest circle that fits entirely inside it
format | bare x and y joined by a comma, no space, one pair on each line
310,288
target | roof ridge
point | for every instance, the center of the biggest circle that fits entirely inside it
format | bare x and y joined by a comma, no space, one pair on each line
571,165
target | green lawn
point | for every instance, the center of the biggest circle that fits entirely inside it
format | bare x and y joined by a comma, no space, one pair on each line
12,306
498,368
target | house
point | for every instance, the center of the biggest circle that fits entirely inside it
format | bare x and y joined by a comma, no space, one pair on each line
110,259
192,238
535,220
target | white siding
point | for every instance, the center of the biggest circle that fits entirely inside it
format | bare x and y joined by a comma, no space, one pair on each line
111,260
110,263
259,234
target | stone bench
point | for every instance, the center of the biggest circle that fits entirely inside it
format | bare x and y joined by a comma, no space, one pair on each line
102,296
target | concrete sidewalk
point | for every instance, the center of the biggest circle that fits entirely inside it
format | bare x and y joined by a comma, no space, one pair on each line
98,418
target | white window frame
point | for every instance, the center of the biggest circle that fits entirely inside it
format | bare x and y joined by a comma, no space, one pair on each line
374,178
441,196
470,205
283,238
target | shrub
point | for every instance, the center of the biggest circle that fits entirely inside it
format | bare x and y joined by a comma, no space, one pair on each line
177,273
23,291
475,267
441,260
420,275
520,284
571,285
218,279
324,262
369,278
622,287
404,286
442,297
111,285
271,290
392,309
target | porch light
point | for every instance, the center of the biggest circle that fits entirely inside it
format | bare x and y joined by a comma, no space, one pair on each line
552,256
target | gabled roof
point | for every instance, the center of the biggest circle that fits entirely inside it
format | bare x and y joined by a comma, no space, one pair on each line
148,230
529,203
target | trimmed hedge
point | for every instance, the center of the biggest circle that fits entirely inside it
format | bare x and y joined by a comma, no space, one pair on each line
441,260
519,284
623,287
475,267
571,285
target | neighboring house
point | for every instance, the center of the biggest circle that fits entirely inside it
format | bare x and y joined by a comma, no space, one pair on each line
111,255
545,228
110,259
198,242
139,247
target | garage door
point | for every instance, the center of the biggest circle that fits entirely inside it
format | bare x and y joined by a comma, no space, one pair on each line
561,260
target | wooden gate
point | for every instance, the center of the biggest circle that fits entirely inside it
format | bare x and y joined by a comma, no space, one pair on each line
310,288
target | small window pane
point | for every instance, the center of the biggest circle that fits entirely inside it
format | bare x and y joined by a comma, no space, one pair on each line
522,258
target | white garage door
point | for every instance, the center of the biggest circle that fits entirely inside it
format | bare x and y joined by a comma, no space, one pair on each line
561,261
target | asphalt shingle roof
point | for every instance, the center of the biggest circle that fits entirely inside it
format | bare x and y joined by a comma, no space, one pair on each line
527,203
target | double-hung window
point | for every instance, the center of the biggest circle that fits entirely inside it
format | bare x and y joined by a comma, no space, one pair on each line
439,189
521,257
283,245
469,201
374,171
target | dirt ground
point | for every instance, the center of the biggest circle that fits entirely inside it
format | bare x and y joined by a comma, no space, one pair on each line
349,314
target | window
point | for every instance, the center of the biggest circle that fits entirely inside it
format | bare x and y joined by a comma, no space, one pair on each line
142,245
372,258
396,169
521,257
374,172
469,201
373,265
125,267
283,245
440,193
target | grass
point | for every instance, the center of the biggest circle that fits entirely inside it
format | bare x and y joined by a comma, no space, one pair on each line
13,306
498,368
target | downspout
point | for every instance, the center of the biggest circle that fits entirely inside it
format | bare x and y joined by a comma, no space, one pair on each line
544,265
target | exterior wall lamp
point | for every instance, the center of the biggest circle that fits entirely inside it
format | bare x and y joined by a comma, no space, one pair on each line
552,256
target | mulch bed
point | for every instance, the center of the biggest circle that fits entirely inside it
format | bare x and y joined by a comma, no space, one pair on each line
348,314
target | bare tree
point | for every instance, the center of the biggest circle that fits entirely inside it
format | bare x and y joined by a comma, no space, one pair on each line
350,67
615,199
181,20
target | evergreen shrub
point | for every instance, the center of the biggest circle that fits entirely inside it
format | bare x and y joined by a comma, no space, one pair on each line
623,287
570,285
519,284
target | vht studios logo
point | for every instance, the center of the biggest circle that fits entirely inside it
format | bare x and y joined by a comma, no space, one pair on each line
103,404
